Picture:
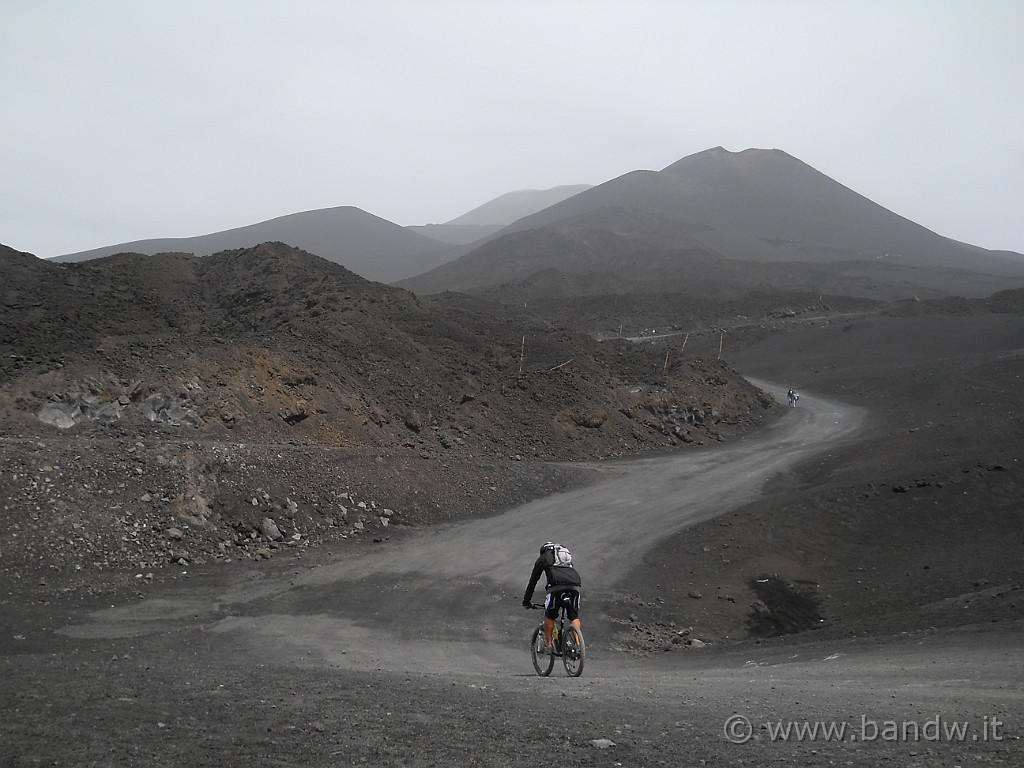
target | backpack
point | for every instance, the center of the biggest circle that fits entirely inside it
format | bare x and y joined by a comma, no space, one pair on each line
563,558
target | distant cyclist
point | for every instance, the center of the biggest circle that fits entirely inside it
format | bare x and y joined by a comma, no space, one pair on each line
793,397
563,584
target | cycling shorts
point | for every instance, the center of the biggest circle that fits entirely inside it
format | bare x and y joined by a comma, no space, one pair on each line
555,599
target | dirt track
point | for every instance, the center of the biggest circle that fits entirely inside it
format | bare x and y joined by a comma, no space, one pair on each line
426,587
412,653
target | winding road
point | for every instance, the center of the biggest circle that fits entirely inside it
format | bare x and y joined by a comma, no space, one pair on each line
403,606
408,645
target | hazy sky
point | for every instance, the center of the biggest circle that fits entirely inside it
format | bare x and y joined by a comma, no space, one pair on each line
126,120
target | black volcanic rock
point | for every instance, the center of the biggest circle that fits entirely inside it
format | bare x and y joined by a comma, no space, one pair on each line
272,343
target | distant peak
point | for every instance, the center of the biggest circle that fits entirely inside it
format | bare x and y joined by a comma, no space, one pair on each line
739,153
718,156
512,206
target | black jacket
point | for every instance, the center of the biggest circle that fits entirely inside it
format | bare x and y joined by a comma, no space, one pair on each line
557,576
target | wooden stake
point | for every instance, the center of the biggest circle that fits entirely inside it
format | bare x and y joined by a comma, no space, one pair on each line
687,336
522,353
721,342
562,365
665,366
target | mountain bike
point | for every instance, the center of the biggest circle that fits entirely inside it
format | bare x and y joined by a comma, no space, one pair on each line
566,641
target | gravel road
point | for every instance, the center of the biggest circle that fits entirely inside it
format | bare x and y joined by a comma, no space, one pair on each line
413,652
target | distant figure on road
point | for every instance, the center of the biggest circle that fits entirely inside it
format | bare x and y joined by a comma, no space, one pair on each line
793,397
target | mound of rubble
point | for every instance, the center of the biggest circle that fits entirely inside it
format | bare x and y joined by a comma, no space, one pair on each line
167,393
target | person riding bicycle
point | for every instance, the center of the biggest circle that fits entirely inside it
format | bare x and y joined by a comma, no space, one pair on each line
563,584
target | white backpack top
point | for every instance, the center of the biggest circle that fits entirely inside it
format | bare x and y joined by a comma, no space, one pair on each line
563,558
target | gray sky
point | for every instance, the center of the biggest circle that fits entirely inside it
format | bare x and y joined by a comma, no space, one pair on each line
126,120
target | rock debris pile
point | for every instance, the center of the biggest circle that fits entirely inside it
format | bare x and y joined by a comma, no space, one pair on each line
170,409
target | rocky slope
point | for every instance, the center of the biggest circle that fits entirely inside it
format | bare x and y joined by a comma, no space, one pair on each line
161,409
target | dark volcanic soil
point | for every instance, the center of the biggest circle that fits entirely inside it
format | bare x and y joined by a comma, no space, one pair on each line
916,524
158,410
896,552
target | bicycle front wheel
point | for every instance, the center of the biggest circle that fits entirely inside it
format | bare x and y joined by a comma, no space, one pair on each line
574,650
542,662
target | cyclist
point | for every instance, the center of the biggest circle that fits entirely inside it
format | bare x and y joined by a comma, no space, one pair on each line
563,584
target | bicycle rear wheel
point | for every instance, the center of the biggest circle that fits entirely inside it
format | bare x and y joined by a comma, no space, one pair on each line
542,662
574,650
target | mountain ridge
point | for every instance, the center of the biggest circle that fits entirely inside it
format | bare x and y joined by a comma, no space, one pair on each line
755,206
486,219
369,245
744,191
512,206
751,206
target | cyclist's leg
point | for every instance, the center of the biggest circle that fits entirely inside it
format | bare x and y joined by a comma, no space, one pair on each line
550,614
572,610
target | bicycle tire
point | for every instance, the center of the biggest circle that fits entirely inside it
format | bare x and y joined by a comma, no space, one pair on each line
574,650
542,662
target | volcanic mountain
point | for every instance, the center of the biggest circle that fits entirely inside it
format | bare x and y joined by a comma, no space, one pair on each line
514,206
706,212
368,245
493,216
